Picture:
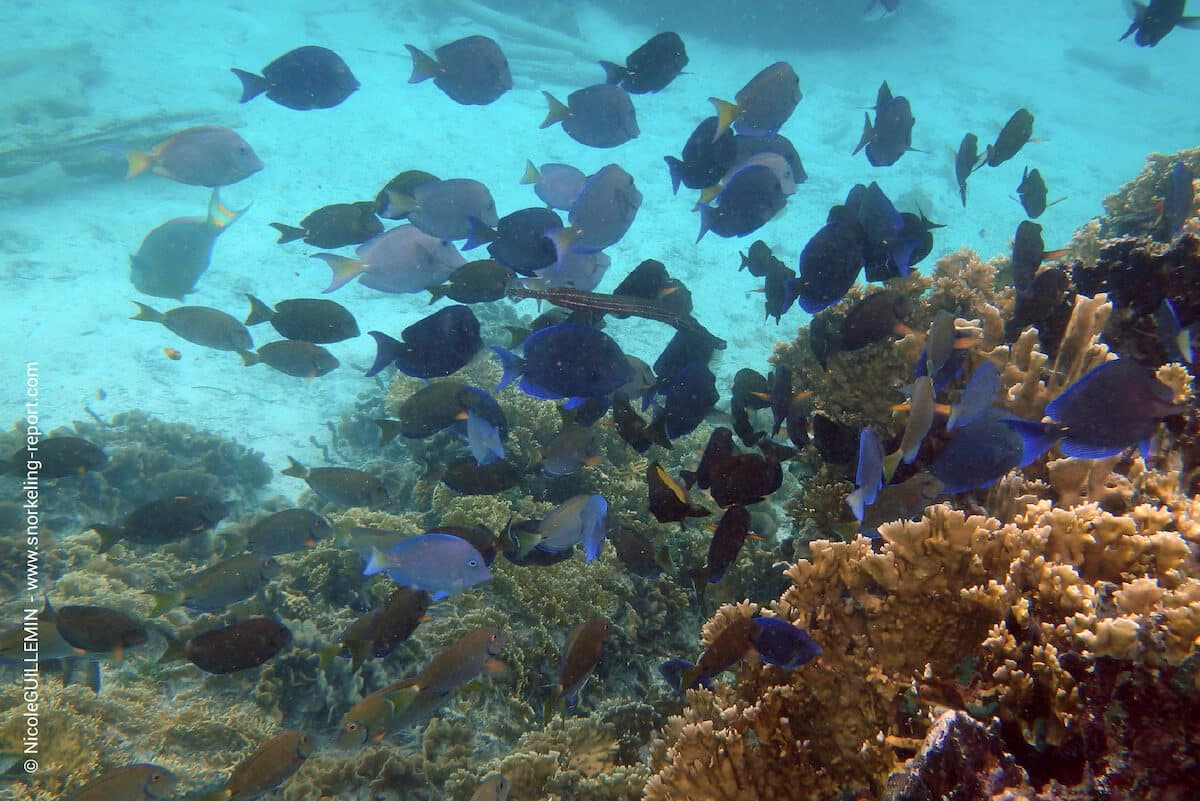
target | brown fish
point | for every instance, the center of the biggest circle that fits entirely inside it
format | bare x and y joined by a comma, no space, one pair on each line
99,629
466,477
268,767
385,712
580,655
402,185
293,357
165,520
200,325
138,782
334,226
668,500
726,650
287,531
378,632
228,649
174,255
314,320
340,485
462,660
56,457
216,587
875,317
204,156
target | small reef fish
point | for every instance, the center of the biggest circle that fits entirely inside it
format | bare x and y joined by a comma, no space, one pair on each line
481,281
462,660
221,585
638,554
384,712
877,316
776,642
519,241
472,71
401,185
759,146
570,450
602,213
1155,19
271,764
57,457
435,346
891,135
400,261
921,409
164,520
749,199
204,156
718,448
1032,192
965,162
689,395
315,320
1114,406
903,501
341,485
763,105
1178,204
99,630
581,653
483,440
783,644
759,260
728,648
981,452
467,477
552,366
229,649
377,633
287,531
579,520
445,209
651,67
556,185
668,500
427,411
525,531
493,788
174,255
200,325
1012,137
600,116
141,781
869,476
836,442
705,159
829,264
634,429
334,226
292,357
723,549
308,77
744,479
977,396
441,564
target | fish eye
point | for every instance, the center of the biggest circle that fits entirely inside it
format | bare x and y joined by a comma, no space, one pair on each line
472,563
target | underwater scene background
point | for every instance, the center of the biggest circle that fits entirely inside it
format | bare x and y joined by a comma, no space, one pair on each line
496,481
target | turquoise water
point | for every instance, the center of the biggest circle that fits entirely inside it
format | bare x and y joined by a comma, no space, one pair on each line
82,82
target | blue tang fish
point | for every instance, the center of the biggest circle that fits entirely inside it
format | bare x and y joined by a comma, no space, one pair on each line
782,644
982,452
976,397
441,564
579,519
435,346
869,477
567,360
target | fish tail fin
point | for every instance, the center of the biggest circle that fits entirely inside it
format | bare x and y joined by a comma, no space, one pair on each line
174,651
376,564
708,216
108,535
345,269
326,654
557,112
249,358
726,113
688,678
674,167
295,469
424,67
147,314
531,175
689,478
91,677
388,430
387,350
890,462
856,501
359,651
1036,438
613,73
287,233
398,205
868,134
259,311
707,194
524,541
700,577
252,85
165,602
138,162
551,705
221,216
480,233
512,365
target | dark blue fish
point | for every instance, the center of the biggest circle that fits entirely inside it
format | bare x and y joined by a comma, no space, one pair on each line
1178,203
965,162
596,116
683,348
480,403
782,644
718,448
519,240
748,147
829,265
484,440
1032,191
869,476
751,197
891,135
567,360
948,373
305,78
1154,20
981,453
438,345
977,397
651,67
672,672
1012,137
723,548
689,396
1114,406
471,71
704,161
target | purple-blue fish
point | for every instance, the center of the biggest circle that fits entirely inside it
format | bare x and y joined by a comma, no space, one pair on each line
472,71
977,396
441,564
869,476
557,185
597,116
445,208
751,197
980,453
1178,203
582,271
567,360
602,213
435,346
402,260
519,240
829,264
205,156
782,644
